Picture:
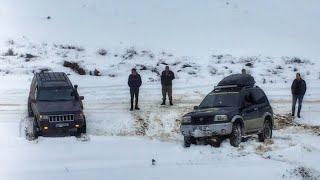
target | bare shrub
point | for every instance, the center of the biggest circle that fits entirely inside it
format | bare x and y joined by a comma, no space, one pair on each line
96,72
129,54
102,52
9,52
71,47
75,67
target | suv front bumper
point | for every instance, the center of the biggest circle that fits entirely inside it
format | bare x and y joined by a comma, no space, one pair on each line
60,129
206,130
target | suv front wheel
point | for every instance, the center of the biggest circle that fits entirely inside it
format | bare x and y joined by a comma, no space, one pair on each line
236,135
82,130
188,140
266,132
35,132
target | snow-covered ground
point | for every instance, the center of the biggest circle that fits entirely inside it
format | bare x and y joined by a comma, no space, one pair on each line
201,41
122,143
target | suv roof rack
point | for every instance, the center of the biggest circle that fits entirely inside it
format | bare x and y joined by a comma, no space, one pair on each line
51,79
233,87
227,86
241,80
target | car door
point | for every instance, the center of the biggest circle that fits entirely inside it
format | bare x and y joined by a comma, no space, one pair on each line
249,111
262,104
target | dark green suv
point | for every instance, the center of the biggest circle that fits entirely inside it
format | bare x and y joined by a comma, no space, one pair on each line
55,105
235,108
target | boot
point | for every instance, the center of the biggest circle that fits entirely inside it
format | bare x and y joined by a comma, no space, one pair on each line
136,106
163,102
171,104
299,110
131,109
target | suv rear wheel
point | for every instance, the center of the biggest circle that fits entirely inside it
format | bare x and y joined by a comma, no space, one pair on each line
266,132
236,135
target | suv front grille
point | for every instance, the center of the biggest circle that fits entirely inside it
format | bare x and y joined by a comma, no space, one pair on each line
61,118
202,120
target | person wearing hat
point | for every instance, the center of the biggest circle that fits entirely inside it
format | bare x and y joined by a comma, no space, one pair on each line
166,82
134,82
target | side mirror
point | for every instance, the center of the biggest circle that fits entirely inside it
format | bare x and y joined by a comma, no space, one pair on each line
195,107
75,86
81,98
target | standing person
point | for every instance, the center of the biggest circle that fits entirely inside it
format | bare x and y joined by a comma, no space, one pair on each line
166,81
243,71
298,89
134,82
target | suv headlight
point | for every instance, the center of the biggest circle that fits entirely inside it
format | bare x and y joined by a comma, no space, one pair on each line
221,118
186,119
44,117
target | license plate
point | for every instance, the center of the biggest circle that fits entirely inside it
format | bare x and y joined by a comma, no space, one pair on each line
200,132
203,128
60,125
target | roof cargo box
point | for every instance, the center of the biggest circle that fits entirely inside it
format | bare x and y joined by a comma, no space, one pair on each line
239,80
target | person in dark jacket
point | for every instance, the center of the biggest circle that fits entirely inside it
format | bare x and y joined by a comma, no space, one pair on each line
134,82
166,81
298,89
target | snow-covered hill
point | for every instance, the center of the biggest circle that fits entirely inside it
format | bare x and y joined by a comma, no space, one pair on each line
269,28
202,42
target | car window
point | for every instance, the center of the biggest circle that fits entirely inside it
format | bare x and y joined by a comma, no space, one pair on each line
220,99
55,94
259,96
248,99
36,93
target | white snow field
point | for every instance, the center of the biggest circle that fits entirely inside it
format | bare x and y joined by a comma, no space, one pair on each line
202,42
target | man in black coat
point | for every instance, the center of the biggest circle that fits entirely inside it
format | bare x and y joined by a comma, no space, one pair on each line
166,81
298,89
134,82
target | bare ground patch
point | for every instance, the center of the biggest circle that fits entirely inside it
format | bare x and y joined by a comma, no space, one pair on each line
141,125
264,147
163,123
302,172
282,121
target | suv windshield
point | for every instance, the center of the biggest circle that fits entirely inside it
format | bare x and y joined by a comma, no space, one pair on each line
221,99
59,94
